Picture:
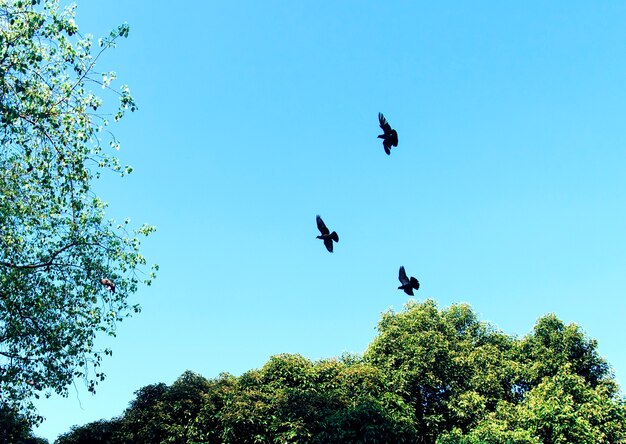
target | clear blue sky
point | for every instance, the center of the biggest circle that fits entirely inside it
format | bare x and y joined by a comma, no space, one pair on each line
507,189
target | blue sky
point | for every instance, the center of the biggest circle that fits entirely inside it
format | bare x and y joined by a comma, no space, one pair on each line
507,190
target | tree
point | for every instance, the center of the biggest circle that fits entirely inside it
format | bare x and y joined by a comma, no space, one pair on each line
66,273
566,394
16,429
436,376
554,345
165,414
450,367
97,432
562,409
289,400
143,421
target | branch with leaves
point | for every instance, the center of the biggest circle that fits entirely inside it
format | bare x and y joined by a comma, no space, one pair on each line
56,247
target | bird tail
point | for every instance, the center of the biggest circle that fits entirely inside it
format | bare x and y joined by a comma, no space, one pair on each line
334,236
415,283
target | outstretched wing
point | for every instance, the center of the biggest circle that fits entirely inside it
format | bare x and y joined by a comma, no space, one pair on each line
383,123
415,283
394,138
328,243
321,225
402,276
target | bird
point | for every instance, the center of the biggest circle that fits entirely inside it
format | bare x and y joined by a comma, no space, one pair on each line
108,283
407,284
389,136
34,384
326,236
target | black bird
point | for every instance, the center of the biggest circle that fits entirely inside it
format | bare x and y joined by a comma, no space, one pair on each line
326,236
389,136
407,284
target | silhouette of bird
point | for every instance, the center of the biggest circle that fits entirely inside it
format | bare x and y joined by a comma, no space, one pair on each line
108,283
326,236
407,284
389,136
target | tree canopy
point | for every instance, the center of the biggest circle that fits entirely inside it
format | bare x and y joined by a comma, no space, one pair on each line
437,376
56,247
16,429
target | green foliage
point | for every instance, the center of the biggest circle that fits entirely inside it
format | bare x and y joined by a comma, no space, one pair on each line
561,409
144,420
430,376
293,400
447,365
15,429
554,345
55,244
98,432
564,408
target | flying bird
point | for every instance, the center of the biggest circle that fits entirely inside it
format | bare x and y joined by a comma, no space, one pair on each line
108,283
326,236
408,285
389,136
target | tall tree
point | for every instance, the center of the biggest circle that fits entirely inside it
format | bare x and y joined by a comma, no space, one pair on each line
432,376
450,367
66,273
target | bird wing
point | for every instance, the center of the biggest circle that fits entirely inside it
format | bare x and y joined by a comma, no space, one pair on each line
384,124
328,243
394,137
402,276
321,225
415,283
386,147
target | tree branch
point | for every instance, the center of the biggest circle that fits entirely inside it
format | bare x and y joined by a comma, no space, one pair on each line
40,265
